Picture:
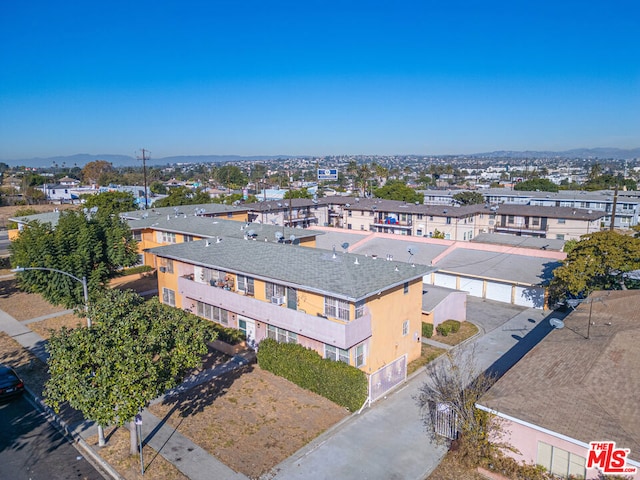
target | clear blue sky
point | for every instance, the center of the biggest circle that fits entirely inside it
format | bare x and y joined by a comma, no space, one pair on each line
310,77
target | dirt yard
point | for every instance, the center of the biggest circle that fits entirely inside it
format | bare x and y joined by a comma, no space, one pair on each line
21,305
9,211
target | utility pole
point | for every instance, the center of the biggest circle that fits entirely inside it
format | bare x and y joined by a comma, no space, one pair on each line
144,174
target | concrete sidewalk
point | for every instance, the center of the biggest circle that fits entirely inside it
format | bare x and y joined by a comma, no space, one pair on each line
187,457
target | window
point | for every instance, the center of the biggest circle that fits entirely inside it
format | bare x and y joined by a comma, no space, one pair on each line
167,264
511,219
448,220
406,287
562,221
560,236
535,221
420,216
405,328
137,235
560,462
281,335
360,308
336,354
334,307
188,238
168,297
359,354
245,284
216,314
273,290
166,237
211,276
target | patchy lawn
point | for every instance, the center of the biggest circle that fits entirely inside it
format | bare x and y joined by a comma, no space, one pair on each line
250,420
428,354
69,320
21,305
467,330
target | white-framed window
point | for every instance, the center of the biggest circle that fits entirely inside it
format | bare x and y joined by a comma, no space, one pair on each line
562,221
187,238
273,290
137,235
166,264
360,357
281,335
168,297
336,354
560,236
210,312
360,308
246,284
166,237
334,307
405,328
560,462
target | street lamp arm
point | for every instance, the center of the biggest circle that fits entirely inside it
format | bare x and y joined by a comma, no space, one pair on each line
82,280
23,269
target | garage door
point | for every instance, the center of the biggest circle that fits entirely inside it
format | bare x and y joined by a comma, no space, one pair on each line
530,297
444,280
471,285
500,292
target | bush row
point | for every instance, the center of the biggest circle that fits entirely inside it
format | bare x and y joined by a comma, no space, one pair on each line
447,327
341,383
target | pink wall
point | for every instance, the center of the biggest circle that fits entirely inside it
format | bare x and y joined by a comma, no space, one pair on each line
526,439
454,307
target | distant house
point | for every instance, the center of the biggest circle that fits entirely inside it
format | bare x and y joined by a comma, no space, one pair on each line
579,385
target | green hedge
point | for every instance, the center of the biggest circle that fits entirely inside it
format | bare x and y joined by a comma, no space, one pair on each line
447,327
427,330
134,270
341,383
232,336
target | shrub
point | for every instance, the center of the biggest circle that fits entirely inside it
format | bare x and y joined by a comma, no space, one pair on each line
231,336
134,270
427,330
341,383
443,329
453,325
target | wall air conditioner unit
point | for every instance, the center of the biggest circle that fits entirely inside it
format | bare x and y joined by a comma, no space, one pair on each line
277,300
163,269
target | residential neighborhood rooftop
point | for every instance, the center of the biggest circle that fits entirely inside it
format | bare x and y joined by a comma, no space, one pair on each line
349,276
581,381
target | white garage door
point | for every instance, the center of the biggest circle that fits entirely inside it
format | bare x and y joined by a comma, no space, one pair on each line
444,280
471,285
530,297
499,291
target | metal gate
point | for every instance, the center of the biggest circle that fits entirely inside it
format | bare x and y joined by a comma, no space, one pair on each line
387,377
445,420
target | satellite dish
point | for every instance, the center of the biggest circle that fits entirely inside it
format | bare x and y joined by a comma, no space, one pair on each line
556,323
345,245
292,238
279,236
251,233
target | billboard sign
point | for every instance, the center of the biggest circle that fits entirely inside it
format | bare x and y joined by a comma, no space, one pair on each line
327,174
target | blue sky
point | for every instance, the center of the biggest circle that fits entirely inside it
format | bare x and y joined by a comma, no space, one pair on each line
317,77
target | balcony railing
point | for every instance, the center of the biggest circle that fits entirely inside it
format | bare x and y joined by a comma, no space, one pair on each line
326,330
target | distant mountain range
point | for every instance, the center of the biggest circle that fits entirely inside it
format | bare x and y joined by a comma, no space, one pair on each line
124,160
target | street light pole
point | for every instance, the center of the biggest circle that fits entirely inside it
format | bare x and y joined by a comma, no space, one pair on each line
83,280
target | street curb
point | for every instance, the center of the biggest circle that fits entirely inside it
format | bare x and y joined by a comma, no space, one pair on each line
62,425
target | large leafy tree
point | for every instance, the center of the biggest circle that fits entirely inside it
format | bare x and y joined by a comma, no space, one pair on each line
99,171
112,202
231,176
183,196
534,184
398,190
92,246
134,351
599,261
468,198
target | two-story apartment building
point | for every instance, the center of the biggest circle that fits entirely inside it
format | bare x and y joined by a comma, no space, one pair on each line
354,308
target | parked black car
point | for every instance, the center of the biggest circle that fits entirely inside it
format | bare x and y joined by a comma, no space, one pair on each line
10,384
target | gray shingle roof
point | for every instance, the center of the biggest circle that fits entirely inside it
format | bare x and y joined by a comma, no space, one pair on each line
311,269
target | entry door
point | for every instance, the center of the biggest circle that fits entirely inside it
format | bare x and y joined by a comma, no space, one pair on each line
248,327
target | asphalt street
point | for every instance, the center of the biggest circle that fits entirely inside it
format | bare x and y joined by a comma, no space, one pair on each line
33,449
